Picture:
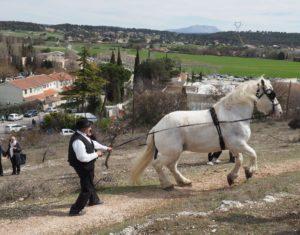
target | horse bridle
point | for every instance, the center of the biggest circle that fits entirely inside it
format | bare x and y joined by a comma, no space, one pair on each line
270,94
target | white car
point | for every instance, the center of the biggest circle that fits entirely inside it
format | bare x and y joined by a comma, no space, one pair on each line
91,117
66,131
14,117
51,110
14,128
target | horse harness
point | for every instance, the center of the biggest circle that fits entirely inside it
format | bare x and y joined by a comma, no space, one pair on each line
269,93
217,125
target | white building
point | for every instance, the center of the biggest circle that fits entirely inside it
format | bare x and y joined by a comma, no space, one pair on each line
38,87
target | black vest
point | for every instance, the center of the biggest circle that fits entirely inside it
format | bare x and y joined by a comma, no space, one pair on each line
72,156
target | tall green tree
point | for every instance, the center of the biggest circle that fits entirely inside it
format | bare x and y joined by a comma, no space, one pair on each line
136,65
115,76
88,85
119,60
112,58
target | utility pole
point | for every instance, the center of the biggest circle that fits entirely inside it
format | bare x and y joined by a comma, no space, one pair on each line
238,25
288,101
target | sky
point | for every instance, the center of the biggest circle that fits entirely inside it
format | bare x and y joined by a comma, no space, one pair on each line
255,15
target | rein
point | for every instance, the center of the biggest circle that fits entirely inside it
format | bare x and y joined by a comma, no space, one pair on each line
188,125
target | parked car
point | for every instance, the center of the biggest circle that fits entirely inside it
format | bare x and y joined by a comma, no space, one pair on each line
14,117
9,128
91,117
51,110
66,131
31,113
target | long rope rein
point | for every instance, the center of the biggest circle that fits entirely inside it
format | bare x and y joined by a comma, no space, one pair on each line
188,125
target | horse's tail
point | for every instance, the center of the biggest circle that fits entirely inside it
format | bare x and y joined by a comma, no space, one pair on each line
142,162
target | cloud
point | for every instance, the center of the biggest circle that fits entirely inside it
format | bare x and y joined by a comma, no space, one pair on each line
271,15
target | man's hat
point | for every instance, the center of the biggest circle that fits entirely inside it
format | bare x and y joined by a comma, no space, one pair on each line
83,123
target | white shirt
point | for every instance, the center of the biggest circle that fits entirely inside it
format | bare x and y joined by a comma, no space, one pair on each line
80,150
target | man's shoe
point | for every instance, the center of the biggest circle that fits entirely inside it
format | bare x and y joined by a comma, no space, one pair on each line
210,163
95,203
80,213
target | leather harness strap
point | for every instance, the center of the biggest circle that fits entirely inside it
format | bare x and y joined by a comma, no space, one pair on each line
217,125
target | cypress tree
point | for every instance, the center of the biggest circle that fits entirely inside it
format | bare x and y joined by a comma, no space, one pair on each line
119,60
136,61
112,58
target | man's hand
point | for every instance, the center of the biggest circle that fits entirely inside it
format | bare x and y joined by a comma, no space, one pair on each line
109,149
100,154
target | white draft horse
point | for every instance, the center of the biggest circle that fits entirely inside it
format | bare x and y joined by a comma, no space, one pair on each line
195,131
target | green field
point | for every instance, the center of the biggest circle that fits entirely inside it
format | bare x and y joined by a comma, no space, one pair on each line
216,64
32,34
190,63
234,65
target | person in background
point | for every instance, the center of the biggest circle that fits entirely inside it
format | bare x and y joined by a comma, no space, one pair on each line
13,152
213,158
83,151
1,152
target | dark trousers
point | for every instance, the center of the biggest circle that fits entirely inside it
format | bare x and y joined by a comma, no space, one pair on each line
1,169
15,162
87,191
214,155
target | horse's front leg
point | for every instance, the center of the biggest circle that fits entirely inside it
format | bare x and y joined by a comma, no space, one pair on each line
250,170
235,171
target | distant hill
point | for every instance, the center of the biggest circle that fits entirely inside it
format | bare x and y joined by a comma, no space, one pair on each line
200,35
196,29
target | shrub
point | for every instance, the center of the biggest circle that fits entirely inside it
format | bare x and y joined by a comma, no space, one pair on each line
57,121
150,107
295,123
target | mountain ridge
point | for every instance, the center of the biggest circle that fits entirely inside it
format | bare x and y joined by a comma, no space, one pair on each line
196,29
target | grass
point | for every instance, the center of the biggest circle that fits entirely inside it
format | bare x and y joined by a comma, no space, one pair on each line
32,34
236,66
54,185
282,216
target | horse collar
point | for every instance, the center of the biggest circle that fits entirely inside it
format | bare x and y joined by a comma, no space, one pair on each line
217,125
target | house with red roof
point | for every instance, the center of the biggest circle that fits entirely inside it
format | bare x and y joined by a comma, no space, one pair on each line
38,87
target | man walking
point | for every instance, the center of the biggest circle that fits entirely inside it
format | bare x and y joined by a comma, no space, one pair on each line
83,151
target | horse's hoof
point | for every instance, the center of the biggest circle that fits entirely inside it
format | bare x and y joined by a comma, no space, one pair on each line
169,188
189,184
230,180
248,173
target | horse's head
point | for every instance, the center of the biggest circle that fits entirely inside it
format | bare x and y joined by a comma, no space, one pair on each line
266,99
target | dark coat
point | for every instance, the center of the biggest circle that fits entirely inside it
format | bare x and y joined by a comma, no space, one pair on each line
16,150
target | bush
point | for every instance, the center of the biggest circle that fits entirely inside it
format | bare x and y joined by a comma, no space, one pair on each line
57,121
150,107
295,123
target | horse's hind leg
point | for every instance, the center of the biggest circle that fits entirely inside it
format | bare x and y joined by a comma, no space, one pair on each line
235,171
180,179
249,171
158,166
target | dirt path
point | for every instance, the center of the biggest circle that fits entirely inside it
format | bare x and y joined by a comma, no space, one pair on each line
120,207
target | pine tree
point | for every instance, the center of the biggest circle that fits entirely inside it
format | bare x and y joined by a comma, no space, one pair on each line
88,83
119,60
112,58
136,64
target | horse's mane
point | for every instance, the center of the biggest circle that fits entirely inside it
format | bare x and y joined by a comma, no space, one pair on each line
243,93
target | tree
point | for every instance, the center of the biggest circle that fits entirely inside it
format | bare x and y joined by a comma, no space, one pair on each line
136,65
112,58
281,56
156,72
119,60
88,83
115,76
